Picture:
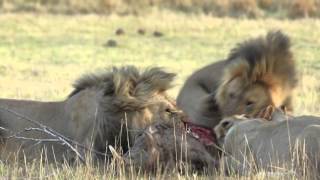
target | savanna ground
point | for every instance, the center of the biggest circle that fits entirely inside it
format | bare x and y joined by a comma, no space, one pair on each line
41,56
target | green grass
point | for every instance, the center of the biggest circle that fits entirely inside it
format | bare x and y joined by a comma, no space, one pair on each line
41,55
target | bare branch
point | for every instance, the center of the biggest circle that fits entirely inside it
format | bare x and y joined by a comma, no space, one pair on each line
57,137
17,136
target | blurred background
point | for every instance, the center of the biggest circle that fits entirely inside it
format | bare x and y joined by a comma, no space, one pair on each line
220,8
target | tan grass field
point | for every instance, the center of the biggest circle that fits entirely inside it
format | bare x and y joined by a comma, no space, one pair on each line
41,56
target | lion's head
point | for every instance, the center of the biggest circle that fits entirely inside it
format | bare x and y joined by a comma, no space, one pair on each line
259,72
128,101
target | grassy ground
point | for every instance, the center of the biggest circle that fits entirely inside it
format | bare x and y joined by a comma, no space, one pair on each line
41,55
218,8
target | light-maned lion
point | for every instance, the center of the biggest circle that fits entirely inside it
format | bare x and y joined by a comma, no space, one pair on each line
284,142
98,112
258,72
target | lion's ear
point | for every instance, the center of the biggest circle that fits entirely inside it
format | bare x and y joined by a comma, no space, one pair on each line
235,69
235,77
159,79
235,74
154,80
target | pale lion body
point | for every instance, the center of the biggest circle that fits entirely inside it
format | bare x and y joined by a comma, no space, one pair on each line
257,144
94,115
71,118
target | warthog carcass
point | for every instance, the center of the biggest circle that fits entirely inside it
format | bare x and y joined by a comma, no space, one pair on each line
166,145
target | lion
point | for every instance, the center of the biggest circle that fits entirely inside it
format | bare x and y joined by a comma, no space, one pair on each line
257,73
254,144
106,108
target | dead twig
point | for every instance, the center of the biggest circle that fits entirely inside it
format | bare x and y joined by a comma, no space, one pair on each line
57,137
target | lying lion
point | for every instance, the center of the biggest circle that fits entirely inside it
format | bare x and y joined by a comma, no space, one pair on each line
257,144
104,109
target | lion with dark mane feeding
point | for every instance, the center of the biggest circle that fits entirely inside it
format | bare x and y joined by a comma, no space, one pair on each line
258,73
96,114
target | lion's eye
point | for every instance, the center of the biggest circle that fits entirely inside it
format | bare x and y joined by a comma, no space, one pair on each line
232,95
168,110
225,124
249,103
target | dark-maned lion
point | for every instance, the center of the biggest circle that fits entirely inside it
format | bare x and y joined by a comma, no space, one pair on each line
254,144
96,114
258,72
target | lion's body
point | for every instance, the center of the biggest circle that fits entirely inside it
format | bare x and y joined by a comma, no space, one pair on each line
258,72
257,144
100,108
73,118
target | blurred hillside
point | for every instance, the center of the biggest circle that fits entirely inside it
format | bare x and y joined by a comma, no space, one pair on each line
232,8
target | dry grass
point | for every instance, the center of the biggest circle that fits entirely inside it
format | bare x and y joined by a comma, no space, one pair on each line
234,8
41,55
